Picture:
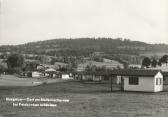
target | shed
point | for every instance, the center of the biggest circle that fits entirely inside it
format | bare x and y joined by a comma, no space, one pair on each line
66,76
92,76
34,74
50,72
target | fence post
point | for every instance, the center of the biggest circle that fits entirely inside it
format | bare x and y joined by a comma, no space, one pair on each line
111,84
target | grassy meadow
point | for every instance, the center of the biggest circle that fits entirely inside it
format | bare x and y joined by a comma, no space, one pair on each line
86,100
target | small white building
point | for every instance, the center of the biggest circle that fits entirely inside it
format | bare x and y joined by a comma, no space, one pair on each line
50,72
141,80
66,76
134,66
36,74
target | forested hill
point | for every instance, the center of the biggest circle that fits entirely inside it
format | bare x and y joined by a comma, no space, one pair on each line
85,46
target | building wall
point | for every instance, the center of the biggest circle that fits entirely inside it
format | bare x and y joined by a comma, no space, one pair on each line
65,76
36,74
97,78
88,77
145,84
159,87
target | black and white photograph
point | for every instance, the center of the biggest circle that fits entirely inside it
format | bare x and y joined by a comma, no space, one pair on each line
83,58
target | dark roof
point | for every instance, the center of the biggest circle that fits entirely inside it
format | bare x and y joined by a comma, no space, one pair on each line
123,72
93,73
131,72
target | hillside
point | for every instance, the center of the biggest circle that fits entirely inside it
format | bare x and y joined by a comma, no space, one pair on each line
107,64
85,47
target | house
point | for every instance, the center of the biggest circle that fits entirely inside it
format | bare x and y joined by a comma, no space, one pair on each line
40,67
88,77
91,76
59,65
66,76
51,73
134,66
43,67
34,74
140,80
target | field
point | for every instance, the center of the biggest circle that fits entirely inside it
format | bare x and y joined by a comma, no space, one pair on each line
12,81
108,64
86,100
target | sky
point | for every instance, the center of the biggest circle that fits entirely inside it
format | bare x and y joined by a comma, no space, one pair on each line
23,21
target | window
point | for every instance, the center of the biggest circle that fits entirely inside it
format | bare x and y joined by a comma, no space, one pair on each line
158,81
133,80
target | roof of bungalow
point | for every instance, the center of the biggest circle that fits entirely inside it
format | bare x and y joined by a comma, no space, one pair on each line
132,72
50,70
93,73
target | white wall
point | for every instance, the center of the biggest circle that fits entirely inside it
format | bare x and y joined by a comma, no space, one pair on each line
87,77
145,84
36,74
66,76
97,78
159,87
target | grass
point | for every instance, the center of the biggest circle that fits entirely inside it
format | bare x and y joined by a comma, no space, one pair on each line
86,100
14,81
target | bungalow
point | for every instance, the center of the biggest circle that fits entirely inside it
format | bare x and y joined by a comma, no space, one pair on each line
140,80
59,65
34,74
50,72
91,76
134,66
66,76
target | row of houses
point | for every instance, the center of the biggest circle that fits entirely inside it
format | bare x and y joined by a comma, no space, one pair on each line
140,80
147,80
48,73
131,79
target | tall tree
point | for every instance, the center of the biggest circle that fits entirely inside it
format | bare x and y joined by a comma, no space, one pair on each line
154,63
2,69
53,60
31,66
160,62
164,59
15,62
146,62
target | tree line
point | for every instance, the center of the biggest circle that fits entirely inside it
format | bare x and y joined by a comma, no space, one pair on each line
147,62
